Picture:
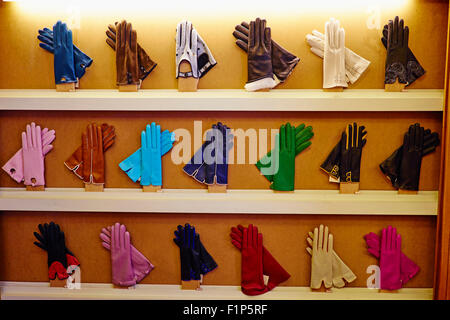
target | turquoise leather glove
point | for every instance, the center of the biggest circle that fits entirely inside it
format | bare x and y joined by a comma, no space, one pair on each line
151,156
132,165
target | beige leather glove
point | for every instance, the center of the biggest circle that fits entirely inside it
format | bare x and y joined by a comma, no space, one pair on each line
322,258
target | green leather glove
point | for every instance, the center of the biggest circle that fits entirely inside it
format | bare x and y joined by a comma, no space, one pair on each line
283,179
302,137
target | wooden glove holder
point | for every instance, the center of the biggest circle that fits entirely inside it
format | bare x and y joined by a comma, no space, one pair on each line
35,188
190,285
216,188
395,87
58,283
349,187
89,187
187,84
151,188
321,289
128,88
65,87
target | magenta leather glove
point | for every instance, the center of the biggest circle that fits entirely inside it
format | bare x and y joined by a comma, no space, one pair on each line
408,269
33,158
122,269
141,265
390,259
14,166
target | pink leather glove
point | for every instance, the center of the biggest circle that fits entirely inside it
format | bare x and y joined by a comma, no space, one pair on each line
122,269
390,259
141,265
33,158
14,166
408,269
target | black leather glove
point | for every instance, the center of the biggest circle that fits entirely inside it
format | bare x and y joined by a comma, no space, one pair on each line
413,68
332,162
391,166
411,158
352,142
397,49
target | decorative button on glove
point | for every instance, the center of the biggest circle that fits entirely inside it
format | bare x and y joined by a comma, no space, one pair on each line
15,165
145,63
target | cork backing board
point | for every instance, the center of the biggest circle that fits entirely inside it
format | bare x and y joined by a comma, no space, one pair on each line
152,233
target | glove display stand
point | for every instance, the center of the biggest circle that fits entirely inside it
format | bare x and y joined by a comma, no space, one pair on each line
395,87
216,188
66,87
401,191
349,187
335,89
190,285
36,188
187,84
129,88
57,283
151,188
89,187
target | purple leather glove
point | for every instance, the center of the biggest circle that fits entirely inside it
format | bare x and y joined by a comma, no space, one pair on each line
390,259
408,269
122,269
14,166
141,265
33,158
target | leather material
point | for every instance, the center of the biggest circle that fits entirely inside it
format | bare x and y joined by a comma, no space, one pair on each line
145,63
259,60
414,69
397,49
92,155
391,166
283,62
64,67
411,159
352,142
126,54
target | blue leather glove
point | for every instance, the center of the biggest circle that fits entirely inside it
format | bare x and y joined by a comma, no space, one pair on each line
63,50
132,165
213,156
196,166
151,156
81,60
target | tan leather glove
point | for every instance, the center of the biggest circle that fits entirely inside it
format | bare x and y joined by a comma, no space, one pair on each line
92,155
126,54
145,63
75,162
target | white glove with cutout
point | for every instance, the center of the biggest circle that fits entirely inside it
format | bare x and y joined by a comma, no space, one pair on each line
322,258
340,271
186,49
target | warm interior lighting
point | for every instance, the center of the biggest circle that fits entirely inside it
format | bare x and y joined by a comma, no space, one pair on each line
212,7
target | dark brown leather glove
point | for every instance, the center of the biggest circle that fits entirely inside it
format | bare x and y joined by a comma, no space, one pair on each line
92,155
145,63
283,62
126,54
259,60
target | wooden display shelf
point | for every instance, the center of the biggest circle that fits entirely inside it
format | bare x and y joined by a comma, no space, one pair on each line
41,290
327,202
224,100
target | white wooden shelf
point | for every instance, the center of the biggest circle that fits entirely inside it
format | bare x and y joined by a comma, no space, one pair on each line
42,291
234,201
224,100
